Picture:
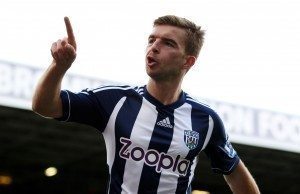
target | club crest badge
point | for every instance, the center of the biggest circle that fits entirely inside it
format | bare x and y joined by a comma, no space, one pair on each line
191,139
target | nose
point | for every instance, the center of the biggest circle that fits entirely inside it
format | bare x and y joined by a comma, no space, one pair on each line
155,47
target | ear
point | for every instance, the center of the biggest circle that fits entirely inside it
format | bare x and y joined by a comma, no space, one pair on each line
190,61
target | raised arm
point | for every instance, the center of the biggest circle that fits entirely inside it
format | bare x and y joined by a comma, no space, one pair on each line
46,99
240,181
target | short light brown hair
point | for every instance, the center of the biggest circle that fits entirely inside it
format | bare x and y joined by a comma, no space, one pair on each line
194,34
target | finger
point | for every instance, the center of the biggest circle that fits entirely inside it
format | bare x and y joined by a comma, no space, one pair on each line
71,51
71,37
63,43
61,55
54,47
58,43
54,51
55,55
61,49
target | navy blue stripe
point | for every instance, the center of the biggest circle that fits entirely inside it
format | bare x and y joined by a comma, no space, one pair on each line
200,123
123,128
160,141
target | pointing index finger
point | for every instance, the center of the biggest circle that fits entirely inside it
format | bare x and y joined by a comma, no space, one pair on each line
71,37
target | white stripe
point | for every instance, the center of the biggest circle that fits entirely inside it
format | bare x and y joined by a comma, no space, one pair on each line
165,121
168,120
197,101
209,132
112,87
108,85
140,89
182,121
69,113
195,162
83,92
109,134
140,135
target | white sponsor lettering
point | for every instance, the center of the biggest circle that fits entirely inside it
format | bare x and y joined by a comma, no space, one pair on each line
153,158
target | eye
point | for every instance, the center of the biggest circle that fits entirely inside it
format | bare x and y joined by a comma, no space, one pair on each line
151,40
169,44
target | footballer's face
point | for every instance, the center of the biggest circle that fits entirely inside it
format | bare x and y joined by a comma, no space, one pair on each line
165,53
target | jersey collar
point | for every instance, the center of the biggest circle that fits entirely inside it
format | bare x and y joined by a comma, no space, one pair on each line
157,103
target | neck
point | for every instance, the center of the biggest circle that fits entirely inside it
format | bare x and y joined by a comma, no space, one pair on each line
165,92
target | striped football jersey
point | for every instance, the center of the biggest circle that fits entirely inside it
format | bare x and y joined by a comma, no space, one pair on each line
151,147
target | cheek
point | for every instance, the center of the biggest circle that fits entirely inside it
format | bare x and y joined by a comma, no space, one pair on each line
175,58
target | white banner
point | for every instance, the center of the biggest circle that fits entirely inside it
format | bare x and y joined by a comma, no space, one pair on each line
245,125
260,127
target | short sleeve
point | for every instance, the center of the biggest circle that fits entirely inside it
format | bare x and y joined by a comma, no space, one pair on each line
222,155
91,107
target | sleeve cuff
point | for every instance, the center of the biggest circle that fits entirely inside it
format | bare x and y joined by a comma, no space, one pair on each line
66,106
229,170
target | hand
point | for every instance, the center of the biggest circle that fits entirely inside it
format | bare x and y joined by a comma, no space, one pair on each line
64,51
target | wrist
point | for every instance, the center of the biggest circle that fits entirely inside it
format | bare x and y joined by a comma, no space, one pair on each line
59,68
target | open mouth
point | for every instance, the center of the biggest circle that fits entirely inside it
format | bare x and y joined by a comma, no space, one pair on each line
151,61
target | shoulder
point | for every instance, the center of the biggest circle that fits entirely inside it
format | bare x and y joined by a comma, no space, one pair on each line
122,89
201,105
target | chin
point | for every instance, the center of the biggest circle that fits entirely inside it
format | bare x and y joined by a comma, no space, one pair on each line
156,77
149,71
151,75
